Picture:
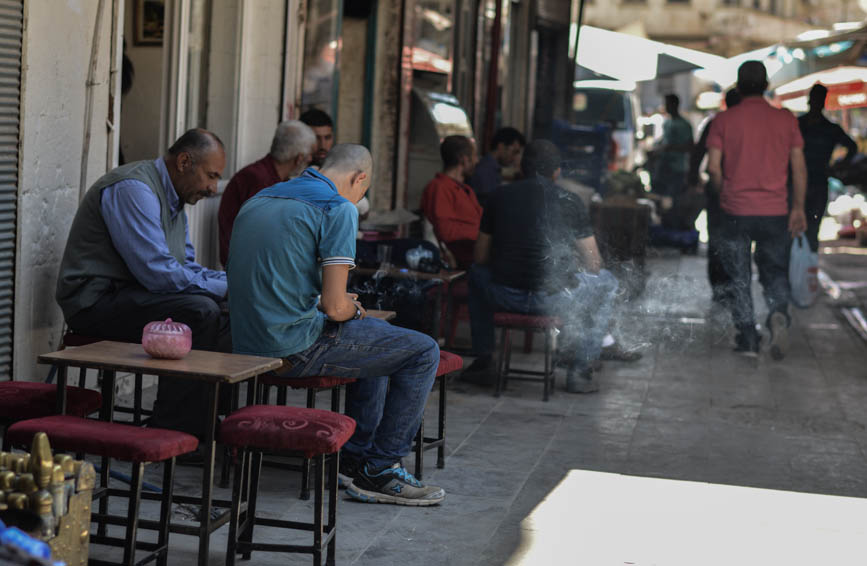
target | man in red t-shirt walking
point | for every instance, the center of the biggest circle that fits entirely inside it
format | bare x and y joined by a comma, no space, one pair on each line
750,149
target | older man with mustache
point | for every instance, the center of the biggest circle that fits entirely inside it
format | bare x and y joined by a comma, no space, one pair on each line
129,261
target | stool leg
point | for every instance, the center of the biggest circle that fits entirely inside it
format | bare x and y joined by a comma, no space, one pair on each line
305,463
317,510
502,358
546,379
137,394
335,399
166,511
332,508
232,546
281,395
419,449
104,475
247,535
132,514
441,427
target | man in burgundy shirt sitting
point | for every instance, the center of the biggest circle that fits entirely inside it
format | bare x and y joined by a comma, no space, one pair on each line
291,152
449,204
750,150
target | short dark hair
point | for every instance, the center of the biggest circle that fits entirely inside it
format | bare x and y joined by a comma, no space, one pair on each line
818,95
507,136
733,97
316,118
453,148
541,159
672,100
196,142
752,78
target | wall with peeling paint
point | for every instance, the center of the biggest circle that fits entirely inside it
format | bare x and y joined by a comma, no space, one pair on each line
57,42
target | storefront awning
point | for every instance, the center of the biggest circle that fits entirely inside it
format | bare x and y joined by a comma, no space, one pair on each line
847,88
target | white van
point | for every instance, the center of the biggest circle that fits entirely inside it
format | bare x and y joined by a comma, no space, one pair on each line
611,102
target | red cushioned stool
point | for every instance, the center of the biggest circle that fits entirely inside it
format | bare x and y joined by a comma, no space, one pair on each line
21,400
528,322
120,442
313,434
313,385
449,363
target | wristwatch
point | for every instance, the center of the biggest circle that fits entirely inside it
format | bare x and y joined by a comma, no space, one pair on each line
357,313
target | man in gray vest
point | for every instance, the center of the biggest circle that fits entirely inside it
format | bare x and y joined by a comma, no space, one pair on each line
129,261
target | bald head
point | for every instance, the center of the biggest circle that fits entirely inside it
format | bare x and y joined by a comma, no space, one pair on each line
349,166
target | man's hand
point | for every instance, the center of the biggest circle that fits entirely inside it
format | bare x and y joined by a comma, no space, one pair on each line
797,222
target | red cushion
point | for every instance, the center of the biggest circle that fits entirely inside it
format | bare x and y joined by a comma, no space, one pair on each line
27,400
448,363
100,438
287,429
318,382
515,320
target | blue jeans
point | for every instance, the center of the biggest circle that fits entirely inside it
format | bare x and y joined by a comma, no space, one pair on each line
395,368
585,310
773,243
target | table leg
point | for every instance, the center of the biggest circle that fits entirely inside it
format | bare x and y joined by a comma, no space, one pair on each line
61,390
208,474
106,413
438,307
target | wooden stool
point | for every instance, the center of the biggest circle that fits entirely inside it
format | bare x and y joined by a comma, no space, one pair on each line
310,433
120,442
449,363
528,322
313,385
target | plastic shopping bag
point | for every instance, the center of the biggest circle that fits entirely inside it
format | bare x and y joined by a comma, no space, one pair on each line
803,273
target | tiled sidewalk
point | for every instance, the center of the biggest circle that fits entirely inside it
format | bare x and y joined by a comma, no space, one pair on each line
689,410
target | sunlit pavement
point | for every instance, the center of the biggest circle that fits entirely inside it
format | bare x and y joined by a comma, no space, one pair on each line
660,467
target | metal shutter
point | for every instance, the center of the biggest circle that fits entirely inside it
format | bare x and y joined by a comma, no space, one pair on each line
11,32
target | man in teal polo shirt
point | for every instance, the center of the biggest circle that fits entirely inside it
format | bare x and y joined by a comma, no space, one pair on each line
292,247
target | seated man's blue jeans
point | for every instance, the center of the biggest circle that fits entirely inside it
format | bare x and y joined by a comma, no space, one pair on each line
773,243
395,368
585,310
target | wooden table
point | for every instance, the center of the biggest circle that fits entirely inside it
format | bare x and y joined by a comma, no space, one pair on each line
444,276
212,368
381,315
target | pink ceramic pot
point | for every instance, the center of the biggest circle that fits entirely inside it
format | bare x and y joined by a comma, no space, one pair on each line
167,339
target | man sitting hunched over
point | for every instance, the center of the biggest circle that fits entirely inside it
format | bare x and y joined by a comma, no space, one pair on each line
536,254
292,247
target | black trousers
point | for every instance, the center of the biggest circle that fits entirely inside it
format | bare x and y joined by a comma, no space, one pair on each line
122,313
720,282
771,235
814,209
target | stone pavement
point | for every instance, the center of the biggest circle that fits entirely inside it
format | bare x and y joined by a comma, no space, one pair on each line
690,409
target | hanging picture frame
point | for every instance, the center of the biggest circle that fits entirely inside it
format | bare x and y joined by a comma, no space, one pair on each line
148,22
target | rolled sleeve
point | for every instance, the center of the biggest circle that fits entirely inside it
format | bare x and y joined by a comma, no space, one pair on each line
131,212
337,236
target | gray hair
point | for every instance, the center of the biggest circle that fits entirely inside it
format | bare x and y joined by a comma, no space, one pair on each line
349,158
291,138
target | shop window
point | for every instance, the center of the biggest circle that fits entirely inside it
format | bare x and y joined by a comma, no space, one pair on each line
321,53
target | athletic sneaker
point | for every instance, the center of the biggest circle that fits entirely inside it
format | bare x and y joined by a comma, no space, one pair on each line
393,485
779,327
347,471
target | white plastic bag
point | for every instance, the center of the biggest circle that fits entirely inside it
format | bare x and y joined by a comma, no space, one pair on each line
803,273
